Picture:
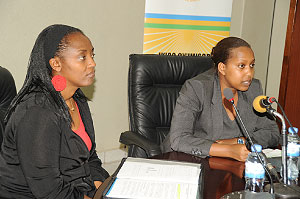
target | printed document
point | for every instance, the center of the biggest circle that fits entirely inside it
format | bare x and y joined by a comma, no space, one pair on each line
155,179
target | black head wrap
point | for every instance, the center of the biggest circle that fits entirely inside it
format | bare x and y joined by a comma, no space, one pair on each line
39,71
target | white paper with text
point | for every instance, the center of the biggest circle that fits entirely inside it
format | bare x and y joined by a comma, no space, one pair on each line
155,179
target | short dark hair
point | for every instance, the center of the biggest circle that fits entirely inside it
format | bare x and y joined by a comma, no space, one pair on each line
221,52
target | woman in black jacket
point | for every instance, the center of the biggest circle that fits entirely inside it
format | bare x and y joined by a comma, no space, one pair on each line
48,148
7,93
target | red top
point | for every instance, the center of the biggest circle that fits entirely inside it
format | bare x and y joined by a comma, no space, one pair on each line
82,133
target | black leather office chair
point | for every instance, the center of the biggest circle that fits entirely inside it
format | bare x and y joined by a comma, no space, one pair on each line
154,82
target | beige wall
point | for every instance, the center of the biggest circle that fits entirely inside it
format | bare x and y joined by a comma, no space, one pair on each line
115,28
277,47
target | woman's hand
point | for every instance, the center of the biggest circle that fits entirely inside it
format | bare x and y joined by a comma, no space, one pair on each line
239,152
230,141
236,151
97,184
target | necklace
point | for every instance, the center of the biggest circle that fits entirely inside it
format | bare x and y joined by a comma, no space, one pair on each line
72,108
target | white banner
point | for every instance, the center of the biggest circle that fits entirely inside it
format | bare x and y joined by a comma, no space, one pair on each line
185,27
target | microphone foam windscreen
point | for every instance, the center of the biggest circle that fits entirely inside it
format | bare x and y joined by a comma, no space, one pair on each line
257,104
228,93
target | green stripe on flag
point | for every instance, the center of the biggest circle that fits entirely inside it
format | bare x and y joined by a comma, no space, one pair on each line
186,27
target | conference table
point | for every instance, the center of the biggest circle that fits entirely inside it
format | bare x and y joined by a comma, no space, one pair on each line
221,175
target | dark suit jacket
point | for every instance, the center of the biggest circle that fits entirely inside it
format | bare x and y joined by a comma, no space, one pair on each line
7,93
42,157
198,121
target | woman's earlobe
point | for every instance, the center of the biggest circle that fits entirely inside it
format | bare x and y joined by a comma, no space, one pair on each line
221,68
55,65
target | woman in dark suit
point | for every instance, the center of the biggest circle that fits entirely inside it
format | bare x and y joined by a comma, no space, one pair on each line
49,145
204,122
7,93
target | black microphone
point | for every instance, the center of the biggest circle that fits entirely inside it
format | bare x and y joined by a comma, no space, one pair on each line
282,190
263,103
229,96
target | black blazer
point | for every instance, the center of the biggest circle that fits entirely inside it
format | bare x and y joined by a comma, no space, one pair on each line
198,119
7,93
43,158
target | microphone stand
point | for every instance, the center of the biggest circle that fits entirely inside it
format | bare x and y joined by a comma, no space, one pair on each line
283,190
252,144
247,194
284,144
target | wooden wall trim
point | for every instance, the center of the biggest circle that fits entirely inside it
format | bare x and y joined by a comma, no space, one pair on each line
287,53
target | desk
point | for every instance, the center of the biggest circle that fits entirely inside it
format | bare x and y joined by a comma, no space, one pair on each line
221,175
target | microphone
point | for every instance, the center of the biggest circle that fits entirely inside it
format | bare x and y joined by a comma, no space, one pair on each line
263,103
229,96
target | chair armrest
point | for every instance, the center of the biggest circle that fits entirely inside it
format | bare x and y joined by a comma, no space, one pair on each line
132,138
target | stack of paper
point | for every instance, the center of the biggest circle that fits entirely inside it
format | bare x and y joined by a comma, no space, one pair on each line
271,153
155,179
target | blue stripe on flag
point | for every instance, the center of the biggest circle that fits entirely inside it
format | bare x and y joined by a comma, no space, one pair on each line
186,17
